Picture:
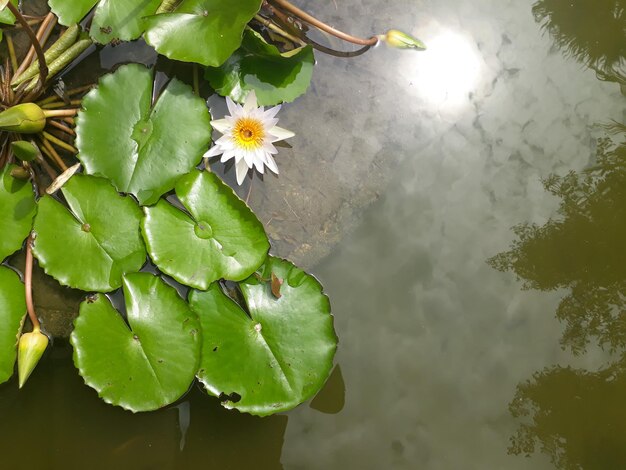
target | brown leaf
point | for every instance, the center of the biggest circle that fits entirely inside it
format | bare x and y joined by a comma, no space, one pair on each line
276,283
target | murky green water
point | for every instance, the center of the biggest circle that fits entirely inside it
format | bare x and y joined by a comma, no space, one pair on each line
480,302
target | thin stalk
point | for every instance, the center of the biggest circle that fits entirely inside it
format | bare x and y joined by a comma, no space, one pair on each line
46,166
59,112
43,69
68,93
12,52
59,143
334,52
43,33
304,16
61,127
249,191
28,281
196,83
281,32
60,104
5,87
48,149
69,120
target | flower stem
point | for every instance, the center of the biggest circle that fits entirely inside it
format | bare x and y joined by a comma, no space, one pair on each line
28,283
59,112
304,16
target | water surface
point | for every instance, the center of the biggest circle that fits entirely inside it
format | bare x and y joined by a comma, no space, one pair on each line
464,343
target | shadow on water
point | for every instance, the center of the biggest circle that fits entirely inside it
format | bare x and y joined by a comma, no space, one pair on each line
57,404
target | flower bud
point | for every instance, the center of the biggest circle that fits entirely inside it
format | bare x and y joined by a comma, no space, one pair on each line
400,40
24,150
30,349
19,173
25,118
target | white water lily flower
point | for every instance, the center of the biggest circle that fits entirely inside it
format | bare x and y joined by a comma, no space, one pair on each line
248,136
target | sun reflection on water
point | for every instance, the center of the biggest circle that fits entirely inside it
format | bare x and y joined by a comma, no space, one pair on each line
448,72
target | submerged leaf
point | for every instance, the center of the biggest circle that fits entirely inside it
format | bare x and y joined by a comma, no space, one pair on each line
145,364
202,31
12,312
93,242
142,150
282,350
260,66
17,209
221,238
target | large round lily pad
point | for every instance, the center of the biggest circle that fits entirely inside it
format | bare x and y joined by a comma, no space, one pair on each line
95,240
277,355
202,31
142,149
219,238
145,364
12,311
113,19
274,76
17,209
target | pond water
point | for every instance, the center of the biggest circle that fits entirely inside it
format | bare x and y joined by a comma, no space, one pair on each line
479,300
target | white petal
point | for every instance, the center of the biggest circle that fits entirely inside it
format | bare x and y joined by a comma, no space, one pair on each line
270,113
233,108
258,164
213,151
242,170
280,134
271,164
227,156
221,125
248,156
250,102
269,148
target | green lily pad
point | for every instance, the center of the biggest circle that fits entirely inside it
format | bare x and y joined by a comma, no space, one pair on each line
259,66
113,19
220,238
12,311
93,243
275,357
17,206
202,31
145,364
142,150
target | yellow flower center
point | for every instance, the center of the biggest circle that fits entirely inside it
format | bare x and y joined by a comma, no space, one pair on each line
248,133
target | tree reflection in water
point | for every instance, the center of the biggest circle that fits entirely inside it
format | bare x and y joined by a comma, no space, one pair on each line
578,417
588,30
582,250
